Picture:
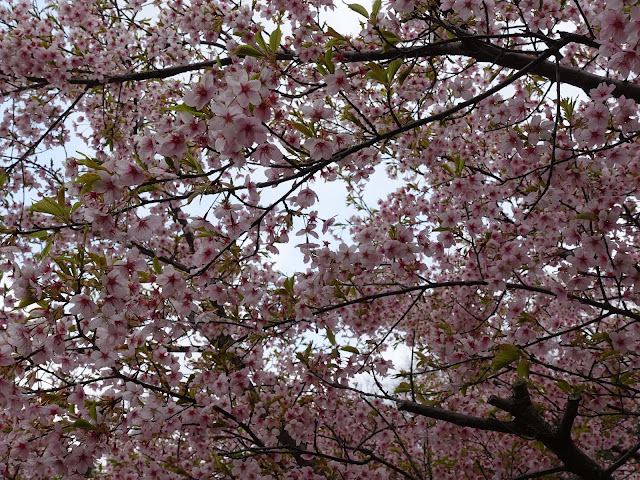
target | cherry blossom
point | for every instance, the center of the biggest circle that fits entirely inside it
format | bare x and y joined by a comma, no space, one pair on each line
109,185
247,91
83,305
131,174
336,82
171,282
319,149
621,341
240,241
267,153
173,145
144,229
201,93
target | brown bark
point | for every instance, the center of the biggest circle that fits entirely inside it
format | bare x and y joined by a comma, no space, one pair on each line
526,422
470,47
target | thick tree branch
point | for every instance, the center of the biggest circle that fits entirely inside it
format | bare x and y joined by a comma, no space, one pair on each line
603,305
490,424
570,414
624,458
541,473
526,422
465,47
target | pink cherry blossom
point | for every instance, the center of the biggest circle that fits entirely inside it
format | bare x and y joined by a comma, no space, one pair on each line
621,341
131,174
171,282
613,25
319,149
306,198
201,93
247,91
240,240
337,82
109,185
249,130
173,145
83,305
143,229
267,153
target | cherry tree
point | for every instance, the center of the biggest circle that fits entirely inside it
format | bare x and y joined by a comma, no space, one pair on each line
158,156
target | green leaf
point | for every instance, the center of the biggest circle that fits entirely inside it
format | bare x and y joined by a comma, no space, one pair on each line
25,302
89,162
523,369
330,336
304,356
403,387
185,108
448,169
328,60
50,207
83,424
62,264
93,412
171,164
87,177
404,74
564,386
393,68
288,285
459,164
41,235
358,9
75,206
375,9
302,128
47,248
88,186
568,106
189,160
156,266
247,51
588,216
274,39
347,115
260,41
390,38
332,33
338,293
608,354
507,354
350,349
334,42
377,73
61,197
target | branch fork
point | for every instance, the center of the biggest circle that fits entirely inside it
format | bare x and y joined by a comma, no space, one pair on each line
527,422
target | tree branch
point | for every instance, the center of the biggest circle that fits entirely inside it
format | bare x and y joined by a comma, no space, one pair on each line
570,414
526,422
465,47
489,424
623,459
541,473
